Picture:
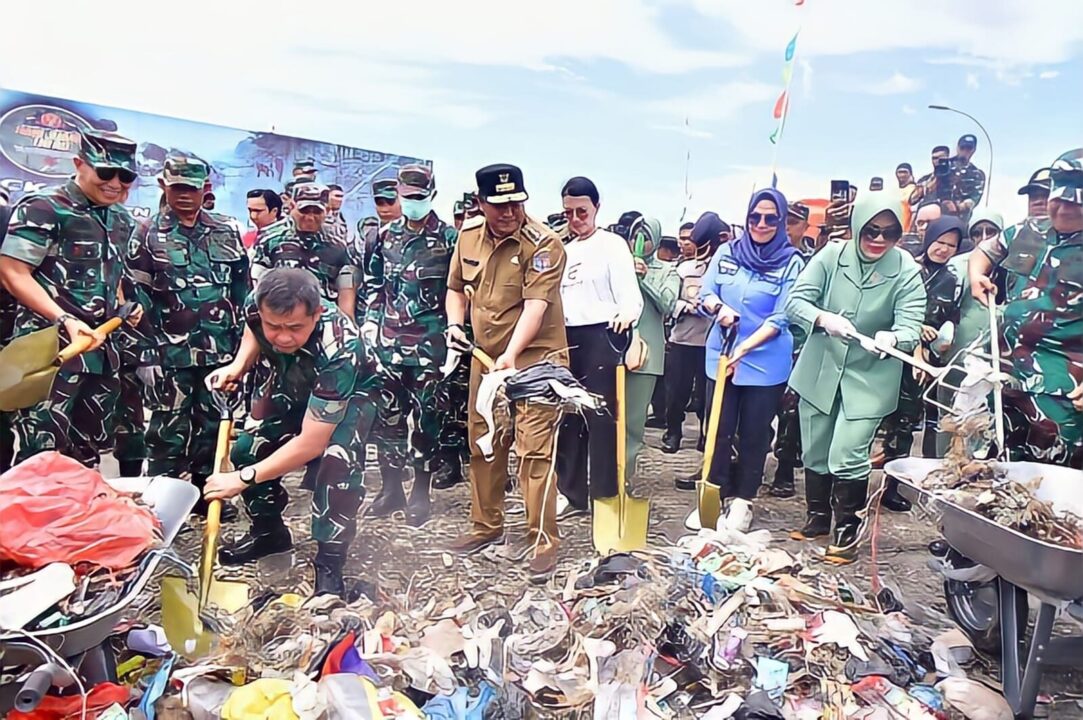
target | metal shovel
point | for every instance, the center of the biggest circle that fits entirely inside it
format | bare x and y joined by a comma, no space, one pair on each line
620,523
708,495
29,364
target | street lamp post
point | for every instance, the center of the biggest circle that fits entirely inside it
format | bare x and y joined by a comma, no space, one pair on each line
989,140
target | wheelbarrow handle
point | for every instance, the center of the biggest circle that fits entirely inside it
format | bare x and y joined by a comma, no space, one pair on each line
866,342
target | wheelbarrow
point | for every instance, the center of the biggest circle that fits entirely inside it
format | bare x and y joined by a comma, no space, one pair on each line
83,645
1019,566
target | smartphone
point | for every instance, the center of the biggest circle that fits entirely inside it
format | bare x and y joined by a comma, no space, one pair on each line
877,183
840,190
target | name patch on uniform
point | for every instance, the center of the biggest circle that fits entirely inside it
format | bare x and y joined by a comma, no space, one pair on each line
542,261
727,266
472,263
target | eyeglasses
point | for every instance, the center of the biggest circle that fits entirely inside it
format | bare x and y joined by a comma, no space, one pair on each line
891,233
580,212
107,173
310,210
980,233
755,218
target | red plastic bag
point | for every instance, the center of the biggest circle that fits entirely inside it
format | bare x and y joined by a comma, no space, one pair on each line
56,510
99,699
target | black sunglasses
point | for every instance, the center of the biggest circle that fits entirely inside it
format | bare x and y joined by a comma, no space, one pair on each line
384,201
891,233
754,218
106,174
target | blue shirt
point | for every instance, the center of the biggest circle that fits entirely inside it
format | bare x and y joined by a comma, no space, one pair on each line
759,299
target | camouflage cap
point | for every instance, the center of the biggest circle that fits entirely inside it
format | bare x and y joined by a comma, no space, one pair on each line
101,148
798,210
309,195
308,164
416,181
184,169
1039,180
386,189
458,209
1066,174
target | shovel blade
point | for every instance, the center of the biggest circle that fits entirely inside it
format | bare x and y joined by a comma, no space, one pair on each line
27,369
620,524
31,389
180,619
709,504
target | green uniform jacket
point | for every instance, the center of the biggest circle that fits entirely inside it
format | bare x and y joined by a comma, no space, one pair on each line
660,287
892,298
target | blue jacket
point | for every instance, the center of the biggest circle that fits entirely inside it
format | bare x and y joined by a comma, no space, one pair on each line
758,299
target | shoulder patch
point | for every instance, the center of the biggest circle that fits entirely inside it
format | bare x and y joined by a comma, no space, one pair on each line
473,222
536,232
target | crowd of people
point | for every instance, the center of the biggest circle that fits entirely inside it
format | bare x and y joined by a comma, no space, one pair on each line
387,332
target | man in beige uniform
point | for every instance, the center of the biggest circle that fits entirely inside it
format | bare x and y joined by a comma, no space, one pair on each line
507,267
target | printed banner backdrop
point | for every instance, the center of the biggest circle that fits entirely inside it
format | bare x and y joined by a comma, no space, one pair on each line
39,135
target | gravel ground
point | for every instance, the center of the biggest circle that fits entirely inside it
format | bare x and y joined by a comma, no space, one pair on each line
409,565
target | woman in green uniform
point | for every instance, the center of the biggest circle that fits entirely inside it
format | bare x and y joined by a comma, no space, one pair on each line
861,285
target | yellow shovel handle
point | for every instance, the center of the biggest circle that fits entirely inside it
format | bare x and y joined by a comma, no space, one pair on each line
221,455
483,358
81,344
716,414
622,424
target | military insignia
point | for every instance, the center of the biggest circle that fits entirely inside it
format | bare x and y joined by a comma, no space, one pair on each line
542,261
504,177
514,259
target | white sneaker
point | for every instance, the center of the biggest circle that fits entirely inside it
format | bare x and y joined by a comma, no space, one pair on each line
739,517
692,521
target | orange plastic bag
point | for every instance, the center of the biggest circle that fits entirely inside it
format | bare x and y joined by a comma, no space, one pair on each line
54,509
100,698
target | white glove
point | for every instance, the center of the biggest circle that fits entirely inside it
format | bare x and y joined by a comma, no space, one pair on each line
883,341
369,331
149,375
836,325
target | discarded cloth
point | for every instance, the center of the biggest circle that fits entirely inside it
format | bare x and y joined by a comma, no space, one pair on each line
488,390
264,699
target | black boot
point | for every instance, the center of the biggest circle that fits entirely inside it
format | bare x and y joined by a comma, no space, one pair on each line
671,442
329,564
847,498
417,508
656,421
131,468
688,482
818,500
227,514
450,475
701,443
391,498
268,536
891,499
782,486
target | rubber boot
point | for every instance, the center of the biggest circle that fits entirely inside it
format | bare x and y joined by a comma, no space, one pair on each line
891,499
848,497
818,500
391,498
329,564
450,475
417,508
671,442
268,536
782,486
131,468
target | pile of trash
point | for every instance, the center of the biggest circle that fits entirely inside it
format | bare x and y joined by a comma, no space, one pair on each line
723,624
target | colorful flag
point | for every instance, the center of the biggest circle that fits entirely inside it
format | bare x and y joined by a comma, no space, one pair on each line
792,47
780,106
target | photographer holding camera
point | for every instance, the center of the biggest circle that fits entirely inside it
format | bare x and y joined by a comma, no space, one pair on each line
935,186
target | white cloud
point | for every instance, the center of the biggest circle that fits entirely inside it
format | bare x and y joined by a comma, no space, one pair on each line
715,103
897,84
909,110
1048,74
972,81
686,130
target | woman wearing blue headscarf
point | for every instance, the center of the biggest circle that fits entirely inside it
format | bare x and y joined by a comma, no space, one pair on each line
745,290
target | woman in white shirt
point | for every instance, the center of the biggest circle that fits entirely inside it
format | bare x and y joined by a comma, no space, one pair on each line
601,298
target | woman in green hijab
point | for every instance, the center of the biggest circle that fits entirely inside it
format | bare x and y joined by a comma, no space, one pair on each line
862,285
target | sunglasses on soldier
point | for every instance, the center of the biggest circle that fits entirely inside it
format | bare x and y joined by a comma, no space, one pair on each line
107,173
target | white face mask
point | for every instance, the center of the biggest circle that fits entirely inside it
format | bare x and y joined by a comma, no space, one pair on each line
415,209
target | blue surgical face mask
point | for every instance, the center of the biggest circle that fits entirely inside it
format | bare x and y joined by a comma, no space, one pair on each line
415,209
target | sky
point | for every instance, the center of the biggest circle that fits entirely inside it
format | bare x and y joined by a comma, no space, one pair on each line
665,104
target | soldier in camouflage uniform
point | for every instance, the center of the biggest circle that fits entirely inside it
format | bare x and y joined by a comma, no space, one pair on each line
967,180
190,271
334,225
315,410
61,261
127,424
300,241
405,285
1042,322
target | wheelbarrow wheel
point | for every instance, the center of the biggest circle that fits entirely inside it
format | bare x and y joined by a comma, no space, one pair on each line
975,608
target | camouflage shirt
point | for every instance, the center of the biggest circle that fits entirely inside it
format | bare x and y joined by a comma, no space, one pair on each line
281,245
967,182
405,284
1043,318
943,291
335,227
192,283
75,249
329,371
1018,252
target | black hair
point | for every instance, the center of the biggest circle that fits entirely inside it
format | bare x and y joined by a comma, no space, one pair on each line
687,226
726,227
332,187
581,187
942,148
904,166
281,289
273,199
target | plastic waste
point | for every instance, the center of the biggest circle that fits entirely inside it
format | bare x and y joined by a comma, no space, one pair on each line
974,700
880,692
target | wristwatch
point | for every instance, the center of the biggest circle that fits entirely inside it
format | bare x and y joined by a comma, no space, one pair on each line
248,475
63,318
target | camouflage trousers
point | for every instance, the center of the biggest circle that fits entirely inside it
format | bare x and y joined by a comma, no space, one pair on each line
421,395
453,444
336,479
127,424
72,420
897,429
1043,428
183,426
788,438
